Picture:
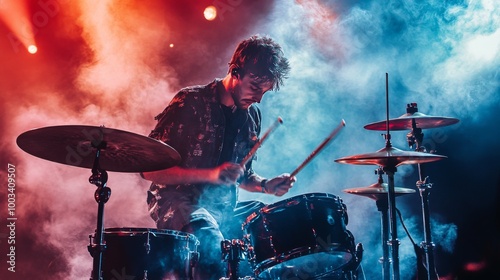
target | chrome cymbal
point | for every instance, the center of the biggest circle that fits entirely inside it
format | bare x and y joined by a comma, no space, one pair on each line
120,151
390,156
404,122
378,190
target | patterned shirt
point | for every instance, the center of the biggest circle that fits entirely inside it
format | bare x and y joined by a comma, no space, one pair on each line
194,125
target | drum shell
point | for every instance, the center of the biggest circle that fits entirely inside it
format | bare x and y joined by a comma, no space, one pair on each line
301,227
147,253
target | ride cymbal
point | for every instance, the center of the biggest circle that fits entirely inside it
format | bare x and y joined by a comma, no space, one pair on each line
120,151
390,156
404,122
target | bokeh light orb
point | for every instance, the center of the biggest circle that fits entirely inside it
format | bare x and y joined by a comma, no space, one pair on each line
32,49
210,13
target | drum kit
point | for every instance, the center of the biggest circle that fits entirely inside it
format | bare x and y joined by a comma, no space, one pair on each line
302,237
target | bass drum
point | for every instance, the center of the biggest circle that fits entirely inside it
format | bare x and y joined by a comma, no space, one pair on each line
303,237
143,253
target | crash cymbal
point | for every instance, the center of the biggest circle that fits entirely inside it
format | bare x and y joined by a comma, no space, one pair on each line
121,151
378,190
404,122
390,156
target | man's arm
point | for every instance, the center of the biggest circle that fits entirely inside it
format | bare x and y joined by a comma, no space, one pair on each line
224,174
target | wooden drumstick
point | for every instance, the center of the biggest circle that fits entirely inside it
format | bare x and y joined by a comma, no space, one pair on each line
319,148
261,140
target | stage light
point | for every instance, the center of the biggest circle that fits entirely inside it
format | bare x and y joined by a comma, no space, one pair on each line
15,15
171,45
32,49
210,13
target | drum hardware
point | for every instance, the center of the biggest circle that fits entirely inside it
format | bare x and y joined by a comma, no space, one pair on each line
415,122
100,149
415,138
194,258
389,158
101,196
147,245
378,192
233,252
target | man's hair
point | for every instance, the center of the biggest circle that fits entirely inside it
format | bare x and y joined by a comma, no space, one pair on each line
263,57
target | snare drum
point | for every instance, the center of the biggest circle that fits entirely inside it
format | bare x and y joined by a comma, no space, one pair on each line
143,253
304,236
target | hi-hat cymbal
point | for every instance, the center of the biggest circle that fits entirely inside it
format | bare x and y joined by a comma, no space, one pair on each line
120,151
390,156
378,190
404,122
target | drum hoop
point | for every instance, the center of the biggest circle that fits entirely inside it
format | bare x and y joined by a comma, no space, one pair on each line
295,253
128,231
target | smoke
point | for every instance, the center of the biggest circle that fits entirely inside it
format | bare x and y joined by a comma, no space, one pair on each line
443,56
118,70
111,63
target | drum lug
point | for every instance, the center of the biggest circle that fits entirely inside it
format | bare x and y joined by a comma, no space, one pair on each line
249,250
93,248
147,245
194,258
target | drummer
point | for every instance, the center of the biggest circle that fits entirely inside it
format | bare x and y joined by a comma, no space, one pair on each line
213,127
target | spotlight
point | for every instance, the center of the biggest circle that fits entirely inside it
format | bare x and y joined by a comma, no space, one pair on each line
32,49
210,13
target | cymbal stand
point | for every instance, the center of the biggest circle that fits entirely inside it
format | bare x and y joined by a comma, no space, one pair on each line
390,169
99,178
393,242
383,206
415,137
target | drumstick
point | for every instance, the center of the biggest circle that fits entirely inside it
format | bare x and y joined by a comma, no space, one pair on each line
319,148
261,140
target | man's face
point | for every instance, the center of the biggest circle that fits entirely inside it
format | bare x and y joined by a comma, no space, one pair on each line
250,89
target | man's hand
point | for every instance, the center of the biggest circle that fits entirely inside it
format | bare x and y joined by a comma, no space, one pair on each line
227,173
280,185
